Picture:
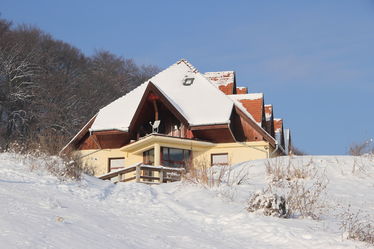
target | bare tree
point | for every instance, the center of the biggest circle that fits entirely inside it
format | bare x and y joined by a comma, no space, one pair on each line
362,148
49,89
296,151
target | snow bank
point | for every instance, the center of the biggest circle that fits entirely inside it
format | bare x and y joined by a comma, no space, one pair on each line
39,211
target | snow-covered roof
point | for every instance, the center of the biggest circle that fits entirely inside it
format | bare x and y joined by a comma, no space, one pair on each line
241,90
248,96
225,80
221,78
268,112
278,125
199,103
252,103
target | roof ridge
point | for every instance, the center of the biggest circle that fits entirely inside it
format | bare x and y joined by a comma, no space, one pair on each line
247,96
194,69
231,71
150,79
254,93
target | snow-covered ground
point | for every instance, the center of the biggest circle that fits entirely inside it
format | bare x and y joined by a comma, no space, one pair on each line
39,211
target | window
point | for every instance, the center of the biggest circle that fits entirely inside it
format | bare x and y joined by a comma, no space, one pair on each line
188,81
219,159
115,163
175,157
149,157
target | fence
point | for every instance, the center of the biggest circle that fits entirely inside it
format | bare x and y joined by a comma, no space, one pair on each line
145,173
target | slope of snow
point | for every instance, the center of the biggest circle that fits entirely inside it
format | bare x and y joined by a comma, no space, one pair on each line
119,113
39,211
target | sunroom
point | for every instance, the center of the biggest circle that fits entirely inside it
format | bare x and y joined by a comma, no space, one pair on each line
156,158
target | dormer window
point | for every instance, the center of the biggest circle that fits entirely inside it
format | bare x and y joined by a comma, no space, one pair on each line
188,81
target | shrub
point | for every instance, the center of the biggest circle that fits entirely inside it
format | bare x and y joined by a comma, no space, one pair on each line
64,168
362,164
296,151
279,170
222,178
268,204
306,199
199,172
357,226
300,184
362,148
67,167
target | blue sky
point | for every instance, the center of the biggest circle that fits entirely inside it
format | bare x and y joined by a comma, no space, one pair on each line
314,60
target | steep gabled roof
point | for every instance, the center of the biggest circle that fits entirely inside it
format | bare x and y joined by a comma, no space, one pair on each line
153,90
199,102
242,109
241,90
279,131
278,125
269,123
225,81
253,103
268,112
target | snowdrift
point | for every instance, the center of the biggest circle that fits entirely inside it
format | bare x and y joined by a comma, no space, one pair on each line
40,211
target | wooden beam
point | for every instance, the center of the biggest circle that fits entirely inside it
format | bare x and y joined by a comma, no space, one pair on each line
255,126
155,109
161,176
96,140
109,132
151,88
138,172
209,127
76,141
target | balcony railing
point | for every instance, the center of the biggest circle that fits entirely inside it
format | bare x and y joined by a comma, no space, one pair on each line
145,174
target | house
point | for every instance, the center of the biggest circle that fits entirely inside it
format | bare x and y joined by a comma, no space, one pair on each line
180,118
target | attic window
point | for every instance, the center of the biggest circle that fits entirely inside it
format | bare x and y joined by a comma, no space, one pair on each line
188,81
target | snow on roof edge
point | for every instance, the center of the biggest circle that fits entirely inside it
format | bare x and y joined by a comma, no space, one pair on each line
223,72
109,129
194,69
241,107
76,135
150,79
247,96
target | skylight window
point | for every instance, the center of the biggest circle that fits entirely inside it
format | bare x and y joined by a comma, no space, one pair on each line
188,81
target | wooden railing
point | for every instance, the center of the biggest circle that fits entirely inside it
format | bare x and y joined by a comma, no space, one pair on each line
145,174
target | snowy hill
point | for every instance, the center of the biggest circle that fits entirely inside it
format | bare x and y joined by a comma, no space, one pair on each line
40,211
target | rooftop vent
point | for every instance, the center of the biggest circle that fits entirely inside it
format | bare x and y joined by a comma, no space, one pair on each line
188,81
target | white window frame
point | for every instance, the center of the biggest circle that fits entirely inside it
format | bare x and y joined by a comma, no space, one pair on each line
219,156
119,163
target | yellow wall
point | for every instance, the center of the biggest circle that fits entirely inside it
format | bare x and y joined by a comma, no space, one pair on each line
98,159
201,151
237,152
